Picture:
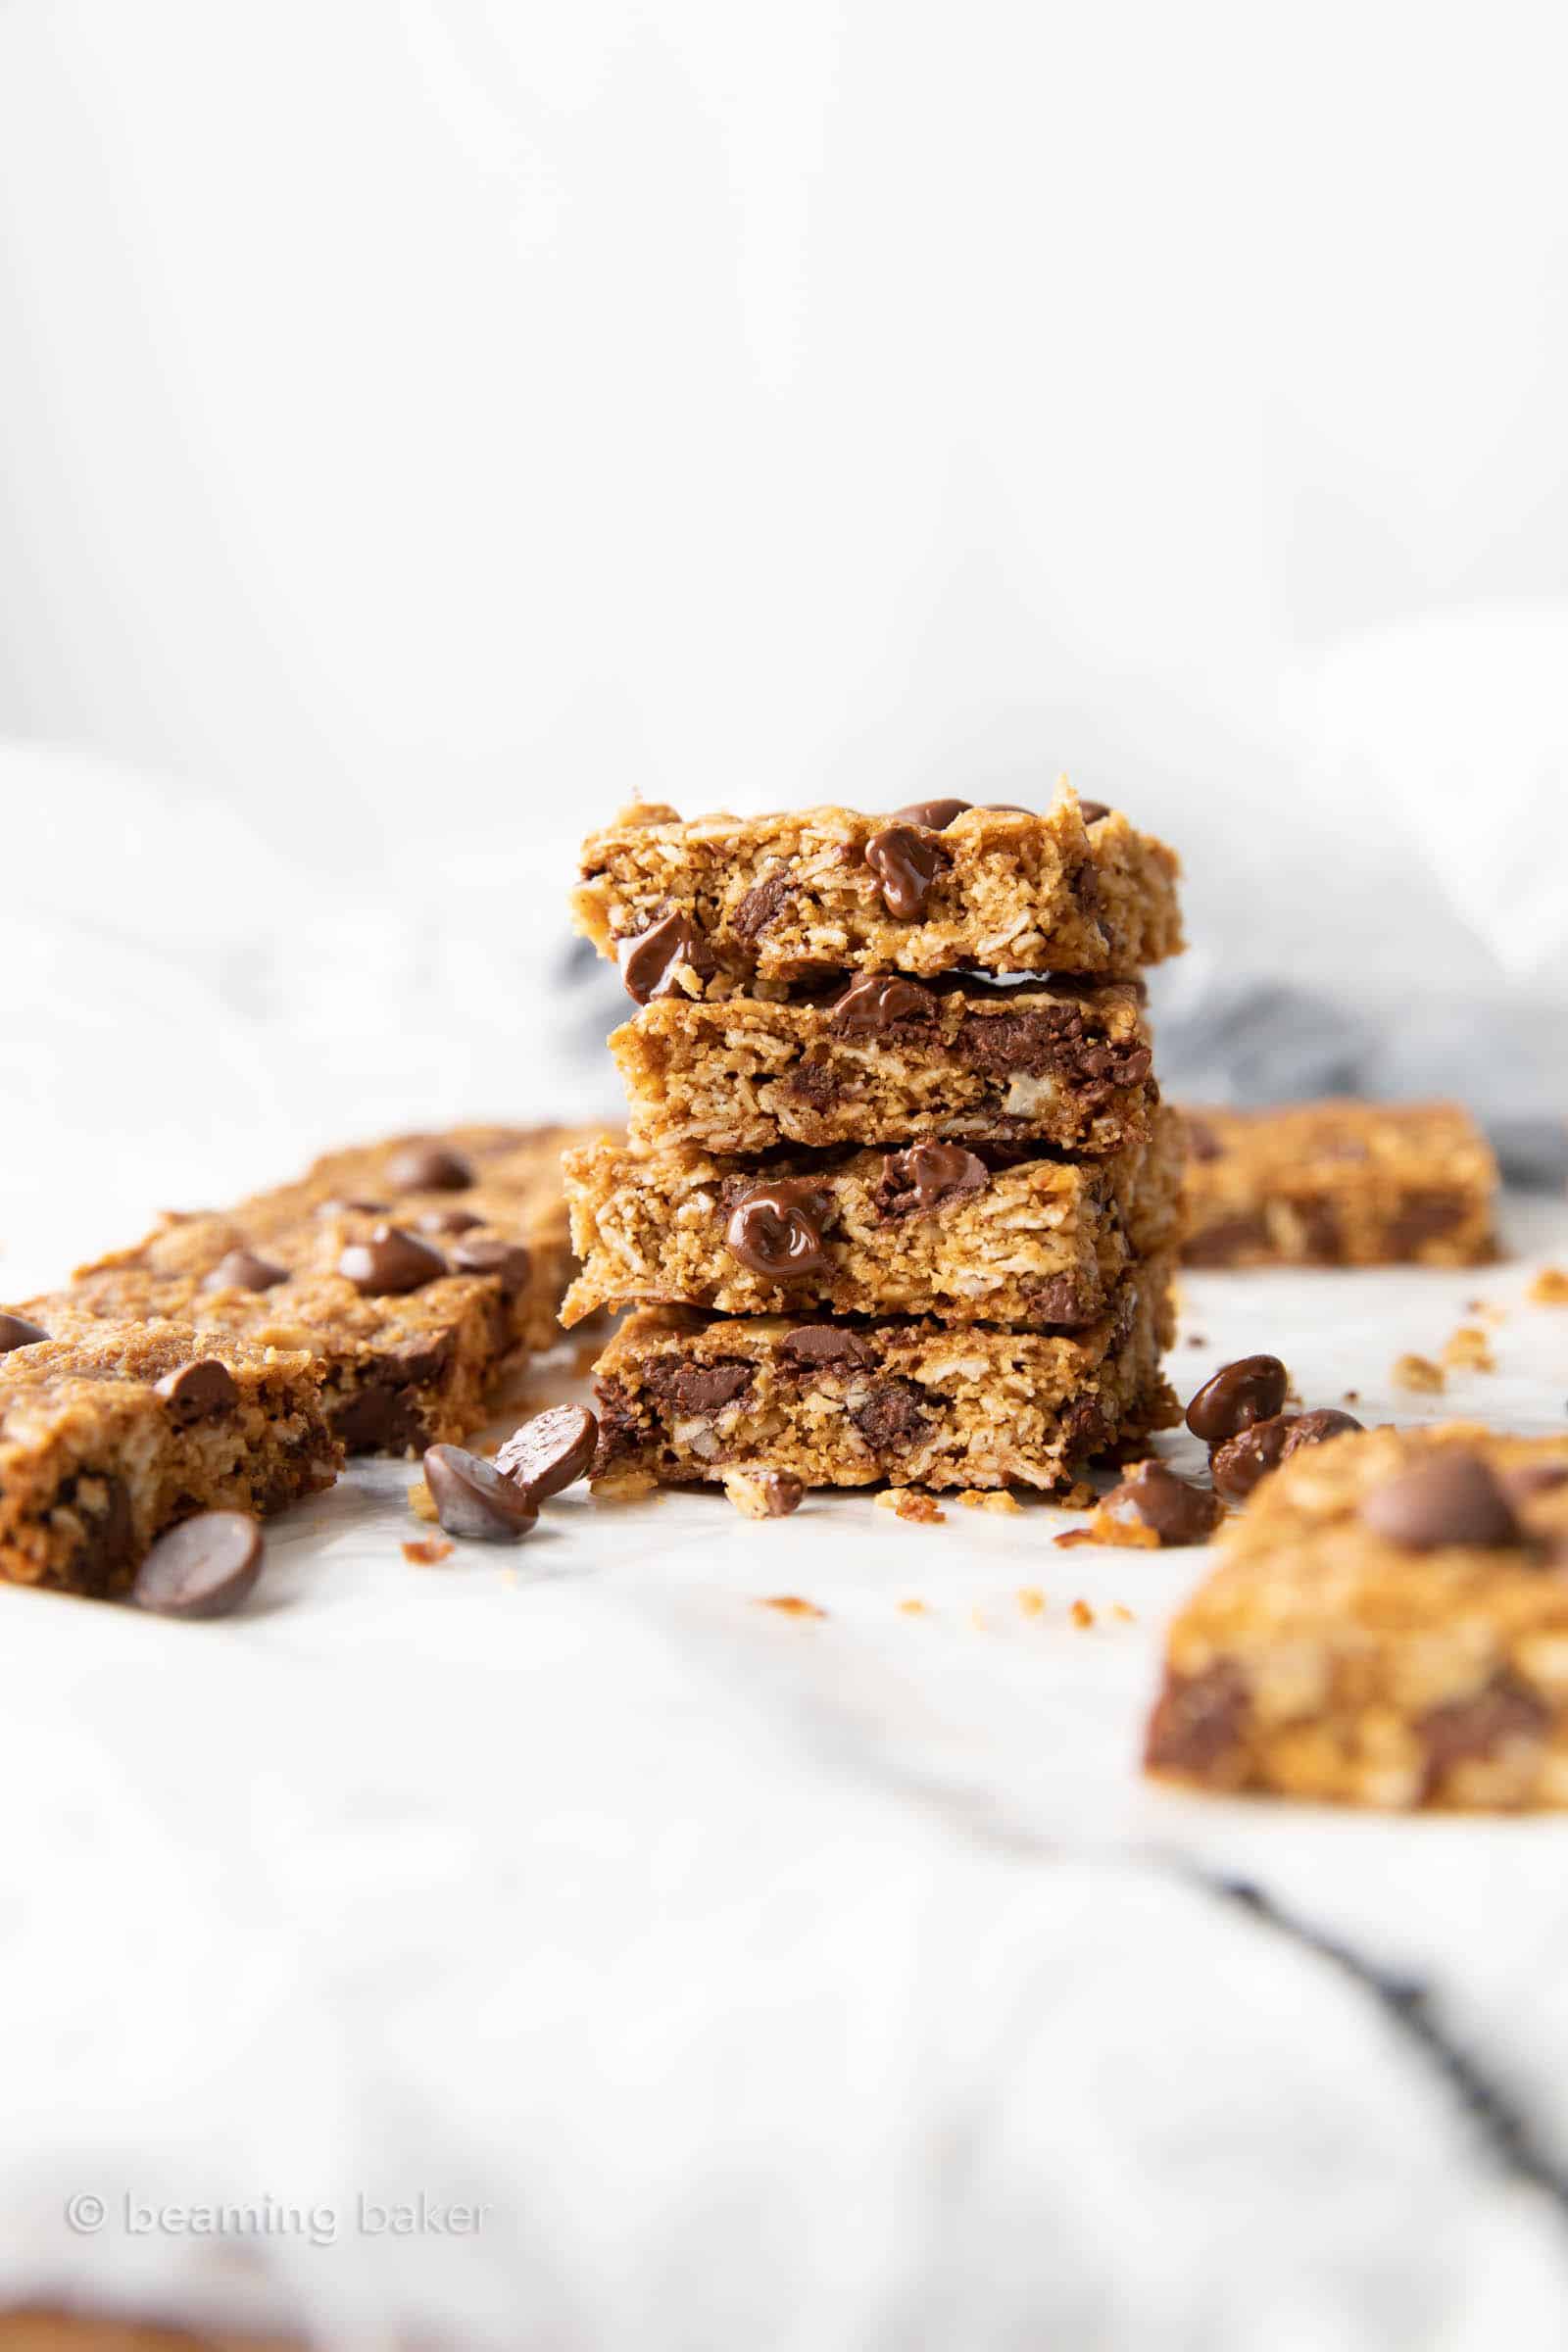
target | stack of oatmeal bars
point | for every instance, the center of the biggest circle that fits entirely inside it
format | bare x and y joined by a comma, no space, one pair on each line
900,1200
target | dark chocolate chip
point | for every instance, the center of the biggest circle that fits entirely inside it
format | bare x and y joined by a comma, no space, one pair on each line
928,1176
106,1545
763,901
203,1568
198,1392
1177,1511
825,1347
17,1331
243,1270
1093,811
781,1493
473,1498
933,816
891,1417
390,1264
775,1228
428,1169
337,1207
696,1388
650,962
1317,1427
1252,1389
382,1416
1425,1217
509,1261
1052,1037
1229,1242
447,1220
1237,1466
1451,1497
550,1451
1007,809
1084,883
1463,1730
873,1004
906,865
1197,1720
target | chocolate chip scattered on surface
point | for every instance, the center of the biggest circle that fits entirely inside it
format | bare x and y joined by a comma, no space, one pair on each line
474,1499
550,1452
205,1567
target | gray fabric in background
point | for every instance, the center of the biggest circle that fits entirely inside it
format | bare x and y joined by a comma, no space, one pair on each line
1223,1039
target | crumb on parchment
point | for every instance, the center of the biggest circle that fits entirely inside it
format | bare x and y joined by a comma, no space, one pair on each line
1418,1372
421,1503
1031,1600
1119,1608
912,1503
427,1550
1074,1535
1469,1350
1081,1613
1549,1288
997,1498
790,1604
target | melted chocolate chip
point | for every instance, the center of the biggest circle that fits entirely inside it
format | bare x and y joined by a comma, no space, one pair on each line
906,865
1237,1466
891,1417
390,1264
430,1168
695,1388
509,1261
447,1220
1092,811
243,1270
1178,1512
203,1568
1252,1389
1476,1728
650,962
550,1451
17,1331
775,1228
1425,1217
198,1392
763,901
825,1347
474,1499
1051,1038
1451,1497
106,1545
928,1176
382,1416
1198,1719
870,1007
933,816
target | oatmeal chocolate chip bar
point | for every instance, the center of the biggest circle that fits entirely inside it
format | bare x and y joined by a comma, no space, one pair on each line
1339,1184
934,1229
1388,1627
683,1399
890,1061
505,1179
110,1432
699,908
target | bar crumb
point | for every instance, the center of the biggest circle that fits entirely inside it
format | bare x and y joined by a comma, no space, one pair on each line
1418,1372
1549,1288
914,1608
425,1551
790,1604
1469,1350
997,1499
421,1503
1081,1613
912,1504
1031,1600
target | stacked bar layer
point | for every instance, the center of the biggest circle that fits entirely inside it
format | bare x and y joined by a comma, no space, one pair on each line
110,1432
1388,1627
1339,1184
418,1273
899,1201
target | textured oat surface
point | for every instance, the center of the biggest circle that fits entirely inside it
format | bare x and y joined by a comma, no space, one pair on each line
1322,1659
1053,1063
1041,1241
686,1398
94,1463
1339,1183
791,895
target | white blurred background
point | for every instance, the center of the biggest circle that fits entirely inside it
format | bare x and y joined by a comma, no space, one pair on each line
430,423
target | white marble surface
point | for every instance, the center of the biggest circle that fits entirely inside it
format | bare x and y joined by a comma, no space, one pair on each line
768,1981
